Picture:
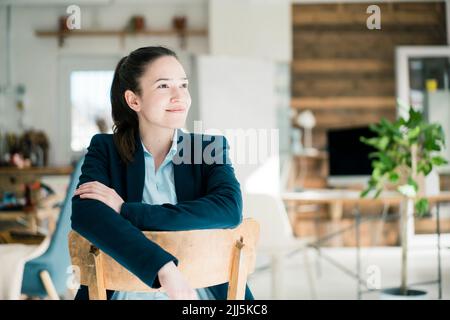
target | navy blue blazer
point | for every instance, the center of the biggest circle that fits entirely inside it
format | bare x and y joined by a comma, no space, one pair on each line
208,195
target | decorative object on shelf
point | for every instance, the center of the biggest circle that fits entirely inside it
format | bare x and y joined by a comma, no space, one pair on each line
296,142
62,23
20,97
139,23
27,150
61,35
179,23
136,24
307,121
36,146
62,29
406,149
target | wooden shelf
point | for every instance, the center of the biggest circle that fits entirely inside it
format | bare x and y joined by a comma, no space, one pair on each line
101,33
303,18
359,103
41,171
341,65
61,35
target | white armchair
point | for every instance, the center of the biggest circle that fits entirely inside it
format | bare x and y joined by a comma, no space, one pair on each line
276,238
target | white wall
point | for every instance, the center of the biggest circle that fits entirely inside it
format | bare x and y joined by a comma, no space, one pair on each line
239,94
258,30
36,61
249,28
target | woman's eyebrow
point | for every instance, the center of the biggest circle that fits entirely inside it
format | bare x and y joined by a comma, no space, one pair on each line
167,79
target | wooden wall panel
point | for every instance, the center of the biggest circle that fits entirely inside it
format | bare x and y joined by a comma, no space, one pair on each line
344,72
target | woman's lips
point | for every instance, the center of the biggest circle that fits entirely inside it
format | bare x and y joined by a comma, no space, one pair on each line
176,110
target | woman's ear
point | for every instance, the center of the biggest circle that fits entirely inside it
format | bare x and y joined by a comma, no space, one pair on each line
132,100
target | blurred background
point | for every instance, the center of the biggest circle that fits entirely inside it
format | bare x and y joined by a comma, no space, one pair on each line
300,81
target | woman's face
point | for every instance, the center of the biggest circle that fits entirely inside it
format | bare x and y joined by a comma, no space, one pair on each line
164,100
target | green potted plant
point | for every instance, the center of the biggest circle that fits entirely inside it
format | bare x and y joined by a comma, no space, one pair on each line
406,150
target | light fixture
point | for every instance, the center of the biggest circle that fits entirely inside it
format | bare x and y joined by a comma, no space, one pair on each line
307,121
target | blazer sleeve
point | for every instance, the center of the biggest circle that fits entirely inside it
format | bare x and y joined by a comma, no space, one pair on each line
108,230
220,208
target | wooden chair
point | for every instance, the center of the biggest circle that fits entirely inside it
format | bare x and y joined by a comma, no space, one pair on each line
206,258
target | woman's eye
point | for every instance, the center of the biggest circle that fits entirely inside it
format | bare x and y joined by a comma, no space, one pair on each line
184,85
163,86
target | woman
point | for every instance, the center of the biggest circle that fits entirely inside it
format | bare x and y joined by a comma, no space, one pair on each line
147,176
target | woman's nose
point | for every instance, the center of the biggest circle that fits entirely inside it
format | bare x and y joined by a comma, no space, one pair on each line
176,95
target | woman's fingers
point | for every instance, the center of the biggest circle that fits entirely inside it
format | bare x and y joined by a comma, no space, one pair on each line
98,191
93,184
91,187
94,196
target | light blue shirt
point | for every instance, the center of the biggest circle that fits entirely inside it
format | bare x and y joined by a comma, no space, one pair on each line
159,188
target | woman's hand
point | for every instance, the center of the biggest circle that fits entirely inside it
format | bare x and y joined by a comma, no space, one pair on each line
175,285
98,191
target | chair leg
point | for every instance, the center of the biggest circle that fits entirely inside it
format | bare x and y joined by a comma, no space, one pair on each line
48,285
277,276
317,237
310,275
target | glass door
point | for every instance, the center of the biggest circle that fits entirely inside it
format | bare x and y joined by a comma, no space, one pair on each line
429,79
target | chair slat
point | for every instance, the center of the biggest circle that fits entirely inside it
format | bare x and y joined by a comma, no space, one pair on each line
205,257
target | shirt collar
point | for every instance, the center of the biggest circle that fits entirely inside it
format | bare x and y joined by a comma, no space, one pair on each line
172,151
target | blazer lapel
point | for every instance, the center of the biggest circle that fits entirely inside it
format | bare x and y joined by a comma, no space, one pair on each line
184,173
136,174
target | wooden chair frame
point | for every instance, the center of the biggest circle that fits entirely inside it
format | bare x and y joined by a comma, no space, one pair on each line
206,258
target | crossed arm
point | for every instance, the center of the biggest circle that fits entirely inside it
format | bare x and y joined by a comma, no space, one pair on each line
101,215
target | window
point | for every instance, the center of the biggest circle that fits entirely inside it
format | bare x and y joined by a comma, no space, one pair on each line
90,106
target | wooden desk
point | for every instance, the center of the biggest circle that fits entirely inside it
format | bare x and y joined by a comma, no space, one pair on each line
37,171
11,178
337,198
46,211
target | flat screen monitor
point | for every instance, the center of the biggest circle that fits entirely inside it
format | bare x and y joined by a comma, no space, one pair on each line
348,157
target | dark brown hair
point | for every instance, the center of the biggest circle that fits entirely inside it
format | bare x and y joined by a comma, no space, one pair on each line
126,77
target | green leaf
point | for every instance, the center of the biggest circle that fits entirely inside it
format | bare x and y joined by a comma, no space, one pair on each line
377,194
438,161
376,173
365,192
421,206
400,140
387,162
369,141
383,143
374,154
393,143
414,133
413,183
393,177
424,167
415,118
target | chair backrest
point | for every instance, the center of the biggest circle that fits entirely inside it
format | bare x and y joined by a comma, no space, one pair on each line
56,258
270,212
59,238
206,258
